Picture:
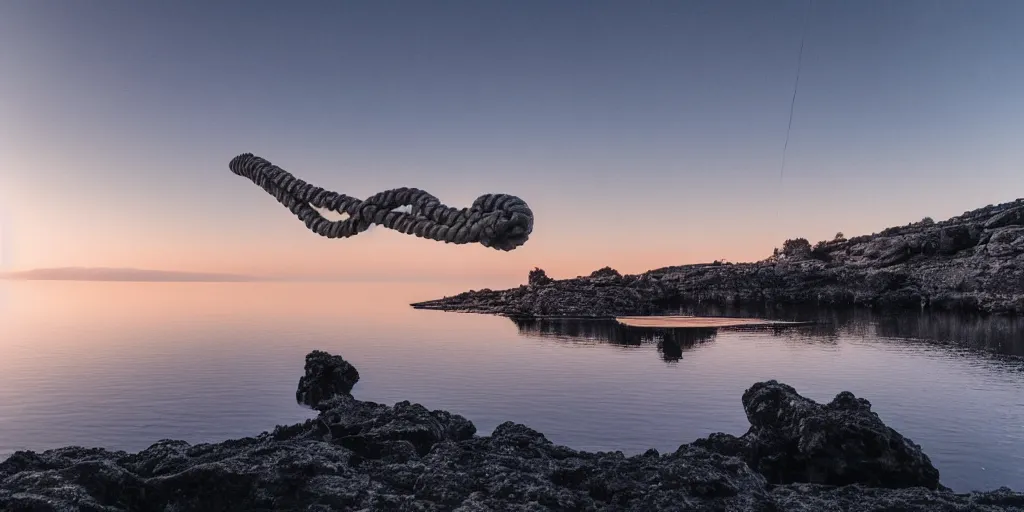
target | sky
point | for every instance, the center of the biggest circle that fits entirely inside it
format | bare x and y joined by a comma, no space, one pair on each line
642,134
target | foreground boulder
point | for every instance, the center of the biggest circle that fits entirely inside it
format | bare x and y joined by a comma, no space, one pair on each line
795,439
973,262
326,376
364,456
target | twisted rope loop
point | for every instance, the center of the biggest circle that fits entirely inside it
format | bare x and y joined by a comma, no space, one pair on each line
499,221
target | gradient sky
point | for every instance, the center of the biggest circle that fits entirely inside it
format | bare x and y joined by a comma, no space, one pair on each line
642,134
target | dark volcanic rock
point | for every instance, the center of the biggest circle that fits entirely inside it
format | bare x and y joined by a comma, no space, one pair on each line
973,262
326,376
605,272
605,296
538,277
364,456
856,498
794,439
398,432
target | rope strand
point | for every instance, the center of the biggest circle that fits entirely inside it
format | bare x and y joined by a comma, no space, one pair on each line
499,221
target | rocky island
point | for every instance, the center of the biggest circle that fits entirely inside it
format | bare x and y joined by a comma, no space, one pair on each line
798,455
973,263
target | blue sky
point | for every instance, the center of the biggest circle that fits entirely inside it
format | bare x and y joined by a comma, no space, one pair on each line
642,133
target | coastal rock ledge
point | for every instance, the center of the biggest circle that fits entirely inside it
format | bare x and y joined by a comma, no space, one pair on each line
798,455
973,262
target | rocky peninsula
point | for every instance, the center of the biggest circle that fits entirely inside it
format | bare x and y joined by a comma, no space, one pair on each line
798,455
973,263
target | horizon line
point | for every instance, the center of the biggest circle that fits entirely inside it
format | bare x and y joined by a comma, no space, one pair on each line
127,274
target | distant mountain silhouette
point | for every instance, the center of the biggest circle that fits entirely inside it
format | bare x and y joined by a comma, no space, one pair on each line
120,274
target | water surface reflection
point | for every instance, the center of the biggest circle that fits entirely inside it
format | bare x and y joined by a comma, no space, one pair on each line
997,334
975,334
121,365
671,343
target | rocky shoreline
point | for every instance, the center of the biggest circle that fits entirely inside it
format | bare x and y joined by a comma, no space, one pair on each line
973,262
798,455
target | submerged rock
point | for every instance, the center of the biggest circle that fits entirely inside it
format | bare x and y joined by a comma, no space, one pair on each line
364,456
974,262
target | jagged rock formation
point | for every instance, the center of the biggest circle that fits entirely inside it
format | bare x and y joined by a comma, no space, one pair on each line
974,262
364,456
794,439
326,376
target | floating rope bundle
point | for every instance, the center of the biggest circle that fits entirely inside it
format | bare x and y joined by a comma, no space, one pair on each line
499,221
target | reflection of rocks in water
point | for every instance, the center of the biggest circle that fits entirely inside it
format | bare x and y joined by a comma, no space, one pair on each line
998,334
820,316
816,333
670,342
573,330
1003,335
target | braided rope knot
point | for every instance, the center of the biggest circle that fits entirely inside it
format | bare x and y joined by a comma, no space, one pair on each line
499,221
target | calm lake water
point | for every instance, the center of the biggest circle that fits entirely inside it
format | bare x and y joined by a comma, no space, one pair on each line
122,365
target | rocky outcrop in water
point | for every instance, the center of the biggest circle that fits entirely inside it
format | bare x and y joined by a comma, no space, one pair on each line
326,376
974,262
798,455
582,297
